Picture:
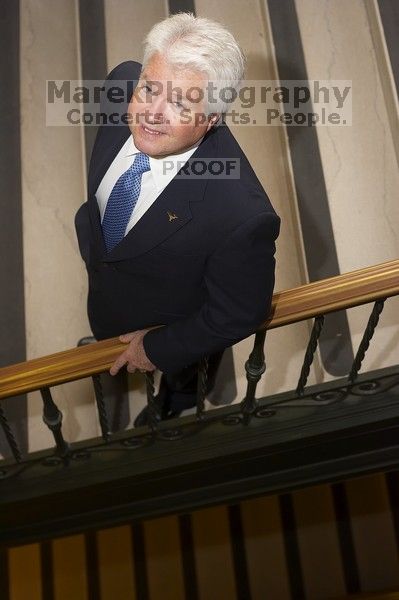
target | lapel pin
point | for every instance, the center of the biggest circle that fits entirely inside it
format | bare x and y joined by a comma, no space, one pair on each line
172,216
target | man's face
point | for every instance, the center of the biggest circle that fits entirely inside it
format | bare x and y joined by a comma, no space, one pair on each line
165,121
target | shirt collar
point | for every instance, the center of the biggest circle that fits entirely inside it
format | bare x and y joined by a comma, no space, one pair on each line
163,169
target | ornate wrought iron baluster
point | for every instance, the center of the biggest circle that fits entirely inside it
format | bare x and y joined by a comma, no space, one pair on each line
365,343
98,392
102,412
202,386
153,414
12,442
52,416
309,354
254,367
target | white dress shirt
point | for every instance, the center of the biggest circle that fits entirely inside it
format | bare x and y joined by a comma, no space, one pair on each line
153,182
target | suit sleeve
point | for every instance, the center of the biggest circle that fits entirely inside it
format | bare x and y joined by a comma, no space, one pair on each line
239,280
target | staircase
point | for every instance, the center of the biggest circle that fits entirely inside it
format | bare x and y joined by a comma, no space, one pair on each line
313,434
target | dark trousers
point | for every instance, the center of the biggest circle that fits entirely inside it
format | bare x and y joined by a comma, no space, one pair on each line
178,392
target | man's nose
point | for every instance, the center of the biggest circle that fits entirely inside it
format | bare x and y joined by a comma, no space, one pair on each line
157,109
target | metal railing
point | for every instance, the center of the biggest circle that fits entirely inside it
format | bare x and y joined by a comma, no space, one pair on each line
314,300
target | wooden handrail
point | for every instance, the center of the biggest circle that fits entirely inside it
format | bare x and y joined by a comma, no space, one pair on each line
304,302
335,293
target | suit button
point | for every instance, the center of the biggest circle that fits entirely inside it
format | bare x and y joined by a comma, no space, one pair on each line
105,264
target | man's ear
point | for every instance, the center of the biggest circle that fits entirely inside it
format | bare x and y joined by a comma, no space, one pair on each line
213,119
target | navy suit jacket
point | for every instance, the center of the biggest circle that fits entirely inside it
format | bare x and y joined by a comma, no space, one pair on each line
207,275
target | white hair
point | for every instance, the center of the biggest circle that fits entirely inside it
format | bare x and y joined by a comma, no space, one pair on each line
198,44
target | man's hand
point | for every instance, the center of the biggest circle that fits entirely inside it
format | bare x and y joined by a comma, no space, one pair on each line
134,357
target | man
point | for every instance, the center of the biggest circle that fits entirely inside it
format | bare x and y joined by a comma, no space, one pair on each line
180,266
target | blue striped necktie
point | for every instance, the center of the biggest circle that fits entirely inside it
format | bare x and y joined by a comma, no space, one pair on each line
122,201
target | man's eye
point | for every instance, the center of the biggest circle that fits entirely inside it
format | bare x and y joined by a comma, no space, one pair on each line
145,88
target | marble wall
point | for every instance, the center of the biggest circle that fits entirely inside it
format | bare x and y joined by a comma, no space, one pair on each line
359,162
53,188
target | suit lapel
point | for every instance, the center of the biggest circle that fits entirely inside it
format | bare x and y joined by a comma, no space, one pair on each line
94,214
170,211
